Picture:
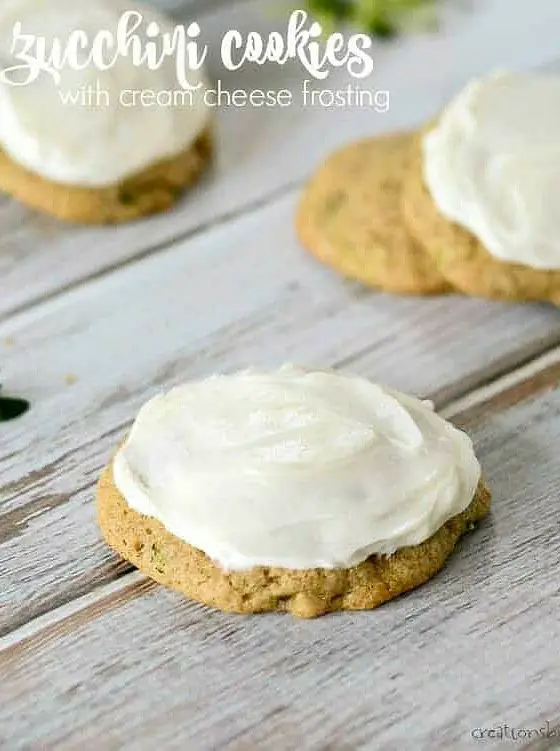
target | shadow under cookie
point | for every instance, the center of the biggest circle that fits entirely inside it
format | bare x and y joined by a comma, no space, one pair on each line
350,217
461,257
149,546
148,191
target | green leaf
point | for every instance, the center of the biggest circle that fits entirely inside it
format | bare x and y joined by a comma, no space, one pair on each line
381,18
382,27
338,8
12,408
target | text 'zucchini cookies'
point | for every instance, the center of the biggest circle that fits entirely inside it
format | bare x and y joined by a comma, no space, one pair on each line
482,193
350,217
91,147
291,490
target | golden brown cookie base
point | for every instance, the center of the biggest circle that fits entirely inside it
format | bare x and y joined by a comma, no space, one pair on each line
146,543
350,218
459,255
149,191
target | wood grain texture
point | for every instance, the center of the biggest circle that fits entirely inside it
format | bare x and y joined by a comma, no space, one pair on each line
94,322
474,648
264,153
218,302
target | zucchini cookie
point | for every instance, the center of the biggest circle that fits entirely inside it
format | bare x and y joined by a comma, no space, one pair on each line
151,190
293,490
99,145
350,217
480,195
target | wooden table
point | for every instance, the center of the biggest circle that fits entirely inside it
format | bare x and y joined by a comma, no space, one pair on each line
95,321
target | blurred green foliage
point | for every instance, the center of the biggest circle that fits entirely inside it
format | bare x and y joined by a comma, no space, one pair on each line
380,18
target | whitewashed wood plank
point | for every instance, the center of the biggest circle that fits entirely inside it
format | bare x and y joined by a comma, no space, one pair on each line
474,648
262,152
220,302
535,377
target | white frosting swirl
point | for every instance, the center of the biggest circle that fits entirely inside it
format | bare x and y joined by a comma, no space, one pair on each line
105,139
295,469
492,165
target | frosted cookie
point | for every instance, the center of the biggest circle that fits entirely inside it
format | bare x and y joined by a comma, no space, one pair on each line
107,156
291,490
350,217
481,193
151,190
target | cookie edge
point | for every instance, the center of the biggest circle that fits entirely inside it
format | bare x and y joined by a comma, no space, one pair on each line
310,238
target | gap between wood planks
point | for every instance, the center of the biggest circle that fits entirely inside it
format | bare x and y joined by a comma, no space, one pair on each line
528,380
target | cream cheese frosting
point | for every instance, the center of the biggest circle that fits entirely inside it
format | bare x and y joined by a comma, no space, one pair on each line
293,468
103,138
492,165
